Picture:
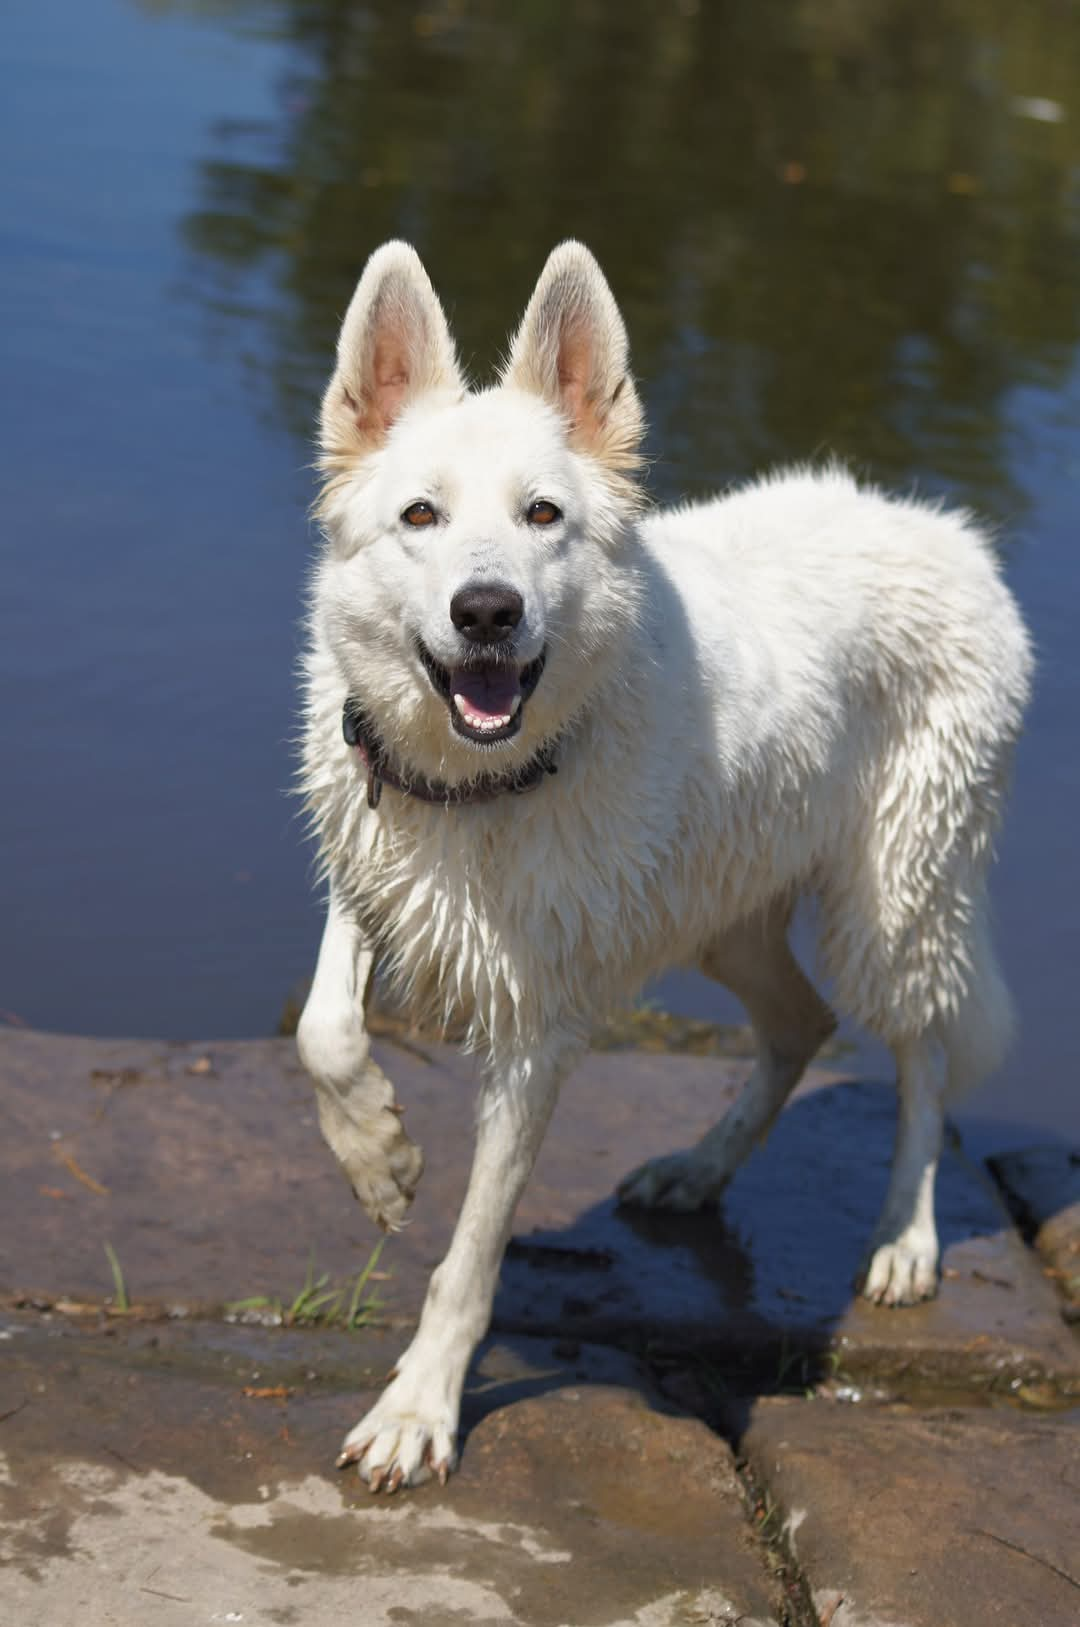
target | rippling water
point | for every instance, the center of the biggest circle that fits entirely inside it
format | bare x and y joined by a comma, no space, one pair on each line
833,227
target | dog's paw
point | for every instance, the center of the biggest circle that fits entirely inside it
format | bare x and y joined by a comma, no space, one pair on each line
404,1440
900,1273
384,1166
381,1162
682,1181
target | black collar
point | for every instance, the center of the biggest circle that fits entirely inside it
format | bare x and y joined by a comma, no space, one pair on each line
360,732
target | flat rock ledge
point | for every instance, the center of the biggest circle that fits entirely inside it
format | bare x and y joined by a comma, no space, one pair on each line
950,1517
678,1420
1042,1185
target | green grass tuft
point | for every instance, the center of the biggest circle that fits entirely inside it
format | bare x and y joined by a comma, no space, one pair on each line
121,1302
321,1303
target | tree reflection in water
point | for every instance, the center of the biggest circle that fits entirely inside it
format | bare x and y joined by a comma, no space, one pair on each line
833,225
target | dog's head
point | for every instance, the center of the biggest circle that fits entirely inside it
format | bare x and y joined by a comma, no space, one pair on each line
475,584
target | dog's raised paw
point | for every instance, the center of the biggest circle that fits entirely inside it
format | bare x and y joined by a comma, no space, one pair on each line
401,1443
900,1274
379,1157
680,1181
384,1171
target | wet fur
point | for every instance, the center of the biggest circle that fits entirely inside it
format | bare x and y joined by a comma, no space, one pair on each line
802,688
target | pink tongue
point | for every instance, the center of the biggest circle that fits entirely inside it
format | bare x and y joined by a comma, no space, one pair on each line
487,694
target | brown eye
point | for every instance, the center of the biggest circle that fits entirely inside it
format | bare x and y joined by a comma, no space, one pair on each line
418,514
543,513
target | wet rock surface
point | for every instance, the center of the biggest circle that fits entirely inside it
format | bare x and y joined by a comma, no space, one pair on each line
206,1160
138,1485
203,1168
1042,1186
772,1271
170,1461
947,1518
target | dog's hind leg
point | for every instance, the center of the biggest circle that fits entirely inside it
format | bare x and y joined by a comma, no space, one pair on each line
790,1022
903,1256
358,1115
411,1431
966,1039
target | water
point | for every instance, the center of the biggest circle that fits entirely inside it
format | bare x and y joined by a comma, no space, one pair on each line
832,228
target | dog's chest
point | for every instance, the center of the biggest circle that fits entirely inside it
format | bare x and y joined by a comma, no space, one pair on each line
550,908
523,915
458,881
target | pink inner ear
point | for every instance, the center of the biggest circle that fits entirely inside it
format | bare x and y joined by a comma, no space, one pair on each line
574,376
390,377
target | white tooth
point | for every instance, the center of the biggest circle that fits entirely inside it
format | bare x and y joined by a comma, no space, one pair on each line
485,724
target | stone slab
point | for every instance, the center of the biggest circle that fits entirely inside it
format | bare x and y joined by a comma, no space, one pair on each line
939,1519
1042,1185
211,1180
203,1167
139,1483
769,1277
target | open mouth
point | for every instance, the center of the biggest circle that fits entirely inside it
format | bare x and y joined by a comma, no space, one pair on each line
486,694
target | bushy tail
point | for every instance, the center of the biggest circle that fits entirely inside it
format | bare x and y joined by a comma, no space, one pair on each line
980,1032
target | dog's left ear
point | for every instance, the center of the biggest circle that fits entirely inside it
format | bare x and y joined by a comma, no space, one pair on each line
571,348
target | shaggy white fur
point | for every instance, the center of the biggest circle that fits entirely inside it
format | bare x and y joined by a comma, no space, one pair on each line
801,688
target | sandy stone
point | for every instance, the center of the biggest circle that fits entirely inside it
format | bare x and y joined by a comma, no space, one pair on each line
946,1518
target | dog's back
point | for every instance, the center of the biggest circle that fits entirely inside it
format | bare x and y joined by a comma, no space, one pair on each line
866,671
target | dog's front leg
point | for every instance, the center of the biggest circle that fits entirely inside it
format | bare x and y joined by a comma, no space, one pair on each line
357,1112
411,1431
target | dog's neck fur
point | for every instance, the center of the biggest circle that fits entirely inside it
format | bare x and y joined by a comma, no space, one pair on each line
361,733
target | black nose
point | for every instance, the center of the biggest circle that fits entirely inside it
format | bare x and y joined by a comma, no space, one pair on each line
487,612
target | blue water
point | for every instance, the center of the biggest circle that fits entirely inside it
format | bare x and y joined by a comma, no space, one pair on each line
829,234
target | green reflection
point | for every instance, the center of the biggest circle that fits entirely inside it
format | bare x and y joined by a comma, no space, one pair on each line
834,225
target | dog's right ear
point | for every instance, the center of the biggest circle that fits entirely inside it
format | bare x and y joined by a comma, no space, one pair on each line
394,345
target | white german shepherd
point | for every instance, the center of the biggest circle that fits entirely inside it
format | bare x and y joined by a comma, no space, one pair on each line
556,743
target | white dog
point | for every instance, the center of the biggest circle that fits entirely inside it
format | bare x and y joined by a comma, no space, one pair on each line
556,743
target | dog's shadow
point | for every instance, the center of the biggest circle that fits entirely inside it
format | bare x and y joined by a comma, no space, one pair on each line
741,1301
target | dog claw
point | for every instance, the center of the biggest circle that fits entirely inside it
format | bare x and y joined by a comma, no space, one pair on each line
351,1454
405,1438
